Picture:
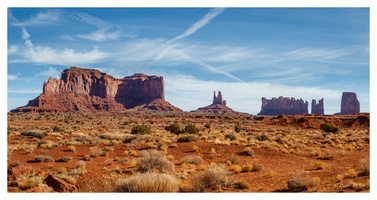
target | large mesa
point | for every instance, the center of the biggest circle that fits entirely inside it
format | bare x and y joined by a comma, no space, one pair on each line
90,90
283,106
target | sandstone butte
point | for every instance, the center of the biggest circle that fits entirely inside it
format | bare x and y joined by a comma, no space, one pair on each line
349,104
318,108
90,90
218,106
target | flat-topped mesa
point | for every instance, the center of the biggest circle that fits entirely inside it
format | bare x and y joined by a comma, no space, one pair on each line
90,90
350,104
218,106
318,108
283,106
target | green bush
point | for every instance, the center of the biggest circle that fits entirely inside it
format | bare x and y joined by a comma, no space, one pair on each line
140,129
174,128
58,129
191,128
328,127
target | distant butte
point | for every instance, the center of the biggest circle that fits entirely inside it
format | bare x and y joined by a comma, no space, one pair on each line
90,90
349,104
218,106
283,106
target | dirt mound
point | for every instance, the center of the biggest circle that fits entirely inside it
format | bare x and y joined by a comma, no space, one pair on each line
315,121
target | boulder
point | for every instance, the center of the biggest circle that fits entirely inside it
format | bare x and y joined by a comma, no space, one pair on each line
58,184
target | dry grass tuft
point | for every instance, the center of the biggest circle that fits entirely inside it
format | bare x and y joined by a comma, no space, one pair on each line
212,178
154,160
148,182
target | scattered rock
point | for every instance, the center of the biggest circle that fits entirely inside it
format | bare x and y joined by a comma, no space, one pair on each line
59,185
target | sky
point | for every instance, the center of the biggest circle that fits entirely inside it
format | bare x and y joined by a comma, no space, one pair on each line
246,53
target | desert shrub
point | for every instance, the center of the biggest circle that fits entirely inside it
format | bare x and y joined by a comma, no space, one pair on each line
87,158
237,128
43,159
64,159
262,137
30,182
174,128
48,159
95,151
242,184
247,167
123,161
327,155
35,133
15,164
257,167
154,161
363,167
301,183
191,128
72,148
230,136
141,129
128,139
236,168
188,138
147,182
328,127
195,148
234,159
208,126
196,160
319,165
248,152
57,129
212,178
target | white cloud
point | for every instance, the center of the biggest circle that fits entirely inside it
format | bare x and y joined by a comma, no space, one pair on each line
51,72
12,77
25,91
13,49
25,34
48,55
189,93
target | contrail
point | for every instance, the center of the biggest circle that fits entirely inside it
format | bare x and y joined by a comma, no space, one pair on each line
207,66
207,18
193,28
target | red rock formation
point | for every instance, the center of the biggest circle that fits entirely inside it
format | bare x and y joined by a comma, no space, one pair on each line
218,106
283,106
318,108
90,90
349,105
58,184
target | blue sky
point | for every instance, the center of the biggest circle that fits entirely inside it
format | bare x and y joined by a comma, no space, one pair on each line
246,53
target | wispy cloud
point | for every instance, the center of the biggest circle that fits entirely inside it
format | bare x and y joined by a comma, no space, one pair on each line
48,55
49,17
51,72
104,35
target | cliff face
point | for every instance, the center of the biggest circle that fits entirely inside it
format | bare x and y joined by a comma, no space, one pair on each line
318,108
283,106
81,89
350,104
218,106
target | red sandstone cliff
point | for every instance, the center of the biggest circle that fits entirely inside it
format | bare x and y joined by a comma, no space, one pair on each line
318,108
350,104
90,90
283,106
